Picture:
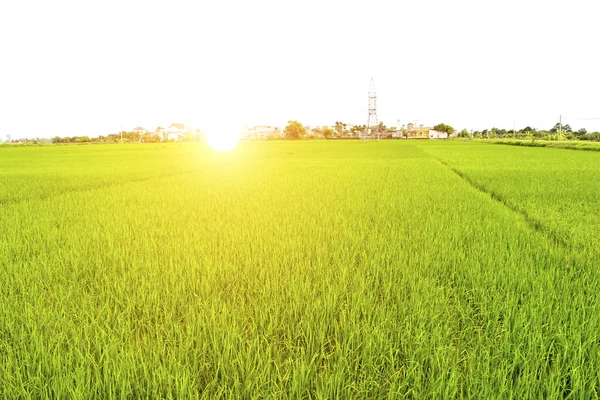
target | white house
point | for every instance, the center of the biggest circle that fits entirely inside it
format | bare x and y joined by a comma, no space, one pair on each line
433,134
175,132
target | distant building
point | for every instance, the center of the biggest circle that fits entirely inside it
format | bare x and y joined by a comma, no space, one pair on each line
433,134
260,132
412,131
176,131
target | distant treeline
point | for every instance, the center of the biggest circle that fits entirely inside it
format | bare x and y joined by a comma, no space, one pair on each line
295,130
125,137
556,133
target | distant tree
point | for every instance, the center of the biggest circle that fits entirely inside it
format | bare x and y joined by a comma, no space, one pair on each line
463,134
565,128
591,136
151,137
444,128
357,130
526,130
327,132
340,128
581,132
294,130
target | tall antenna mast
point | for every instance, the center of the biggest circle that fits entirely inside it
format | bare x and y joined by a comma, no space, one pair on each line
372,119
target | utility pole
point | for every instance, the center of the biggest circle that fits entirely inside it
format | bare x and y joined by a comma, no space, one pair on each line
560,125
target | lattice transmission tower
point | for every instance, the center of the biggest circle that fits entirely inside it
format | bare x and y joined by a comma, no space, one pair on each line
372,119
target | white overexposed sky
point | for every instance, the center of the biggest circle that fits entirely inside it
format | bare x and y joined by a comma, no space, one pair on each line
89,68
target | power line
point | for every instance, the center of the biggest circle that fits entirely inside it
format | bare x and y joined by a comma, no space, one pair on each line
581,118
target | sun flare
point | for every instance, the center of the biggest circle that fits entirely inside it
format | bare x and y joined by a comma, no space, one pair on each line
223,139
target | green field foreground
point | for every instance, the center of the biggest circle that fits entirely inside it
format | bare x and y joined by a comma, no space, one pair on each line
321,269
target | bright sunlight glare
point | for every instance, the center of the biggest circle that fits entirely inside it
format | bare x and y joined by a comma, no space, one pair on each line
223,139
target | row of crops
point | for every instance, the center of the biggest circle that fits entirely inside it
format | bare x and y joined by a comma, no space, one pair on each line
299,270
557,190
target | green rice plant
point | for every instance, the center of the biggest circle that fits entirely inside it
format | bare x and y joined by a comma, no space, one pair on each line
290,270
558,191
